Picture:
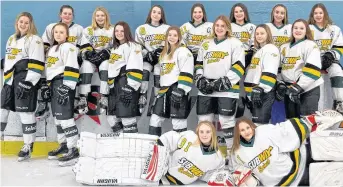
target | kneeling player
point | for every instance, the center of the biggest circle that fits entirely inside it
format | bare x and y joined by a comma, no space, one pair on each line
62,71
176,76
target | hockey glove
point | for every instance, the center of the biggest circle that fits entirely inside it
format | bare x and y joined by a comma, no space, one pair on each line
222,84
63,94
248,56
45,92
24,89
176,97
294,92
100,57
156,55
142,101
327,59
281,90
126,95
88,55
149,57
257,97
203,84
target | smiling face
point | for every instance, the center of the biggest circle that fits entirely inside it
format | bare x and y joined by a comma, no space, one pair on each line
299,31
60,34
205,134
246,131
100,18
220,28
239,14
279,14
198,14
173,37
119,33
156,14
23,25
67,15
318,15
261,35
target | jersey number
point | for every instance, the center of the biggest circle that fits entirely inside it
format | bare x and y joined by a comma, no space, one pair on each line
183,142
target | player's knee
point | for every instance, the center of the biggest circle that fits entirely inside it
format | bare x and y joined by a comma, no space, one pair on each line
67,123
227,121
27,117
206,117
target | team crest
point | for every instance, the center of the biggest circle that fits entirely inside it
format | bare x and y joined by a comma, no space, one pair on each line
142,31
90,31
205,45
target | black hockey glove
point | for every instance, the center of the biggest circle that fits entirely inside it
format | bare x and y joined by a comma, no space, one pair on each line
24,89
88,55
203,84
257,97
45,92
281,90
176,97
156,55
294,92
63,94
248,56
100,57
222,84
126,95
327,60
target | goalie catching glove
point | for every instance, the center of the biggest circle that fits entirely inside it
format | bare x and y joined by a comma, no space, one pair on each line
323,120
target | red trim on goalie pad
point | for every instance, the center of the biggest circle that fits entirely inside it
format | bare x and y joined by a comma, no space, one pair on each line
153,165
246,175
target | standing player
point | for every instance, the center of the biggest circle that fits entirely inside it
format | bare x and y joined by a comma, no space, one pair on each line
219,68
176,69
95,49
23,66
261,74
62,72
330,41
125,73
75,35
151,36
197,30
242,29
300,61
281,32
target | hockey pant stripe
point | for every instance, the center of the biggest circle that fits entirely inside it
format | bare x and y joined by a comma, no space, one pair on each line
288,179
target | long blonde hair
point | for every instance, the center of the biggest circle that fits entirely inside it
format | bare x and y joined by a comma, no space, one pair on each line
285,20
327,19
32,27
308,34
214,139
237,134
107,23
269,35
168,50
227,23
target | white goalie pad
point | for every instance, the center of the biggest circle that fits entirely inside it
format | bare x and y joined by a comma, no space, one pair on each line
326,174
110,145
111,171
156,164
327,145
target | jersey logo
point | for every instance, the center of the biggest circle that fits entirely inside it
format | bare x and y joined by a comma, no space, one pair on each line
114,57
90,31
38,42
12,53
142,31
215,56
51,61
242,36
189,168
71,39
324,44
289,62
260,158
194,39
205,45
72,50
166,68
283,51
254,62
100,41
279,40
155,39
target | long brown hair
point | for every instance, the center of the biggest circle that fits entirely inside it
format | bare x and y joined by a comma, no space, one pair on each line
107,23
168,50
204,18
327,20
127,34
227,23
308,34
269,35
245,10
237,133
32,27
67,31
285,20
163,16
214,139
66,6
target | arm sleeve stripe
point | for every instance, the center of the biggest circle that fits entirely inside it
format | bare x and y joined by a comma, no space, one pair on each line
135,76
339,49
71,69
235,89
36,66
270,81
185,79
313,74
238,68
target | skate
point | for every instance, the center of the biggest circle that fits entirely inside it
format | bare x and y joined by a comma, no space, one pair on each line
42,111
82,106
69,159
61,150
25,152
118,127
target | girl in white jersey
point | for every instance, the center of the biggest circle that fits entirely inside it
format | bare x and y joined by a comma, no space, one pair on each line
261,74
329,38
219,68
175,68
151,36
242,29
23,66
276,154
95,46
66,16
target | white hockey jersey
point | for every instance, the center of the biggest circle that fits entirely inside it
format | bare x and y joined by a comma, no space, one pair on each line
189,162
25,53
222,58
245,33
63,62
98,39
263,69
75,35
179,69
281,35
275,153
129,55
328,39
151,37
193,36
301,64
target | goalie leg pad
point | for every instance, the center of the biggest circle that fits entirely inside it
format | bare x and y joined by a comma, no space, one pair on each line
326,174
156,164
